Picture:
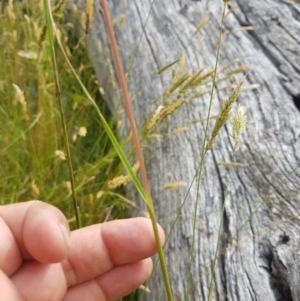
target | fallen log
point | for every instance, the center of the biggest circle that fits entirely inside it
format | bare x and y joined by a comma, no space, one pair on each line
258,251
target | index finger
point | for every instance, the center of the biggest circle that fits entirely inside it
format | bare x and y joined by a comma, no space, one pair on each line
96,249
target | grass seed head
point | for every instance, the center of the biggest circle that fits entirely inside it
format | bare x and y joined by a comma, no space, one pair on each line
99,194
10,12
35,190
203,21
82,131
161,113
20,98
170,109
122,180
67,185
154,136
57,9
144,288
179,130
60,154
88,13
224,116
238,126
174,185
153,119
166,67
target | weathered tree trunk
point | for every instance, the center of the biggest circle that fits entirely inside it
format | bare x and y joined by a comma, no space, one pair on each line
260,236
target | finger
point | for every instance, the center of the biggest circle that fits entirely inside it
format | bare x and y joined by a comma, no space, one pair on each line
40,282
40,230
10,256
114,284
8,291
96,249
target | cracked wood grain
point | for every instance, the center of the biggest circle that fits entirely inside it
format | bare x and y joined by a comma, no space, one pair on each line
260,230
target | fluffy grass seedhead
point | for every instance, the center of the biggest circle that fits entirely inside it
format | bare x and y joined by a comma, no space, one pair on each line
238,126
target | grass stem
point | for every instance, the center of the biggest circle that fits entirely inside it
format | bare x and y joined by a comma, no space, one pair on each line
50,23
138,150
203,152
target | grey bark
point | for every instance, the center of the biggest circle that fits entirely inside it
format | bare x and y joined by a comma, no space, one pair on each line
260,228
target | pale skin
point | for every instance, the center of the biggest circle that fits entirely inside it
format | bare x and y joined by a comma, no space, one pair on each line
40,260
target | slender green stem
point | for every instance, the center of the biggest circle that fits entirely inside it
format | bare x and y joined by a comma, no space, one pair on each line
136,142
203,152
172,226
49,22
120,153
140,38
106,127
218,240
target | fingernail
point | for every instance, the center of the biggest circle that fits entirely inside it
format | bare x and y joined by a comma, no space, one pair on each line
66,233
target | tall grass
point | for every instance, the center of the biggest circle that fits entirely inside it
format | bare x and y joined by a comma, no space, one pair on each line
32,146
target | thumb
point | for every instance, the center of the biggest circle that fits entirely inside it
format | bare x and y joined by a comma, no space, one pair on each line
46,233
41,231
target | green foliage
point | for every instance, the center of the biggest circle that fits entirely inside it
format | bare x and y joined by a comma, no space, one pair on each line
30,126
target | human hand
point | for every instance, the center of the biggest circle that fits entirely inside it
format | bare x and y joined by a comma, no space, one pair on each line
40,260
